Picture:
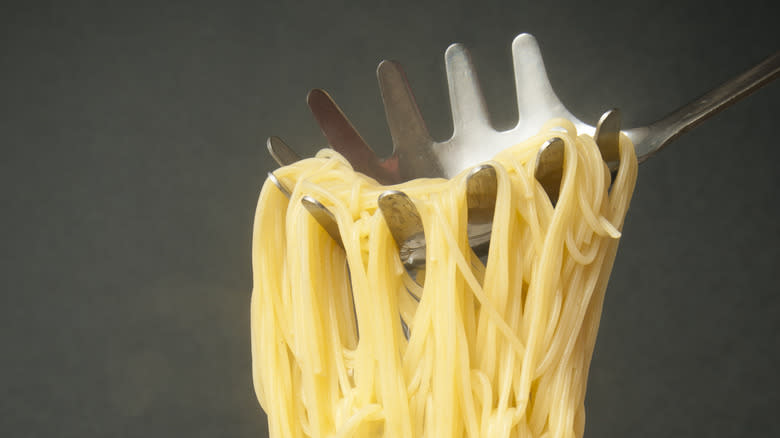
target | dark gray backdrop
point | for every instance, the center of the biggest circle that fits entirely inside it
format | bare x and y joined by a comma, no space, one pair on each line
133,152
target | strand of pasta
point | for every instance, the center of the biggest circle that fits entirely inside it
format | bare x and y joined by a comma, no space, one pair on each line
500,349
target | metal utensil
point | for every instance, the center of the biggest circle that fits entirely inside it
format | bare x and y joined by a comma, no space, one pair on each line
416,154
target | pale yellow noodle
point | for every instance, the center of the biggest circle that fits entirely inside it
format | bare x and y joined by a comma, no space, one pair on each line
500,349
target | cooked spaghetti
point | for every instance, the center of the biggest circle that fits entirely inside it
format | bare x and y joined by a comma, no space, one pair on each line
500,349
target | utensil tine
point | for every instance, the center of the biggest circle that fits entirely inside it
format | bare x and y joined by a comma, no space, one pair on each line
412,143
321,214
481,191
346,140
324,217
280,152
466,98
607,136
534,92
285,191
549,167
405,225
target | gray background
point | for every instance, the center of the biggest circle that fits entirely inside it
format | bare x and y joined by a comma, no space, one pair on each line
133,153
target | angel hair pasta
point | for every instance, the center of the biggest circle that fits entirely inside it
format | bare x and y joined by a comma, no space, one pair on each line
500,349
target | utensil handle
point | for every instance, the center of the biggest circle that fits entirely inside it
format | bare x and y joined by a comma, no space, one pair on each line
662,132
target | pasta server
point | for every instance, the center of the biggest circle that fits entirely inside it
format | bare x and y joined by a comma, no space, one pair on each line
416,154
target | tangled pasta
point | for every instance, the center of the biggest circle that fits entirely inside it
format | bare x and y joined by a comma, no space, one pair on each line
496,349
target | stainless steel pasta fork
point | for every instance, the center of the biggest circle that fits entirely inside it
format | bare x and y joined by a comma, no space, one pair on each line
416,154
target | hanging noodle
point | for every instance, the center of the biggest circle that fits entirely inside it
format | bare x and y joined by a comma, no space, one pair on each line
495,350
